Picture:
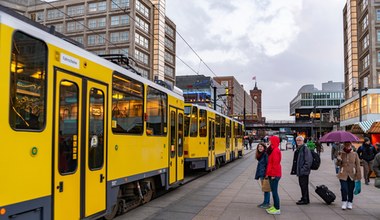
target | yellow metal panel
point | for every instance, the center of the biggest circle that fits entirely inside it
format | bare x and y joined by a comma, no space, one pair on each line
24,176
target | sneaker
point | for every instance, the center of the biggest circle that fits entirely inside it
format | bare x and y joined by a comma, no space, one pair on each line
270,209
344,205
274,212
264,206
349,205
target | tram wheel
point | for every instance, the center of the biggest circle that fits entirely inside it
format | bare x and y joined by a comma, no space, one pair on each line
113,213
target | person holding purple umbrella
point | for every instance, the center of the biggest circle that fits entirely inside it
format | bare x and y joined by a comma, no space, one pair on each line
350,171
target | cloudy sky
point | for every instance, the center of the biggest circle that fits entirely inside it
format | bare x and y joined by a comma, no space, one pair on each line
285,44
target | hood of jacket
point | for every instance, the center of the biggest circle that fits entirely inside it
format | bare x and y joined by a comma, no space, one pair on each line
275,141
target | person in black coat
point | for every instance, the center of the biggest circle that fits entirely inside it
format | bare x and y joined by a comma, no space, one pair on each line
302,162
367,153
262,162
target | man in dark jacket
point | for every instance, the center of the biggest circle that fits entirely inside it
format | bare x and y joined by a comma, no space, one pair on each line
302,161
367,153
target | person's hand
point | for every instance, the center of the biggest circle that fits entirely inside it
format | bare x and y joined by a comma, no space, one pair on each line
273,177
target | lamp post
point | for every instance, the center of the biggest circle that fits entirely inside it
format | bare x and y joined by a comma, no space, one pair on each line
360,90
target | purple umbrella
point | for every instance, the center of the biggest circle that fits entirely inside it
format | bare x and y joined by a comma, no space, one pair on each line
339,136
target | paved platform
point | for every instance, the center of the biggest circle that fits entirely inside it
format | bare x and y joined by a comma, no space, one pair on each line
232,193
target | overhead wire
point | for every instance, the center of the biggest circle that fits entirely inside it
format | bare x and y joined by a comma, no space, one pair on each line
180,35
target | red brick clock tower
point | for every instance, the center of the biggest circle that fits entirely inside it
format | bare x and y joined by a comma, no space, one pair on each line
256,96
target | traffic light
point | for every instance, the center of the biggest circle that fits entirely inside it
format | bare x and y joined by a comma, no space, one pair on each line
226,91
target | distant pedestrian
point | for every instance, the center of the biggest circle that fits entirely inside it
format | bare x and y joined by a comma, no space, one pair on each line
335,148
302,161
294,144
250,141
262,162
274,173
319,147
246,142
350,171
367,153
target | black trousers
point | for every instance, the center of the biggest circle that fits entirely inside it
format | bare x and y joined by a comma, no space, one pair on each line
304,184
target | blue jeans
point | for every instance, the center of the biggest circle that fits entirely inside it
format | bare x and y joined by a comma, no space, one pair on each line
274,189
347,189
266,195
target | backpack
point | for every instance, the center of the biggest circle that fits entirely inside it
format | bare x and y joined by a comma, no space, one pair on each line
316,161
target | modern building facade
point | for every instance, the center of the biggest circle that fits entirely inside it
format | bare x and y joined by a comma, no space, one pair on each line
361,24
203,90
320,108
138,29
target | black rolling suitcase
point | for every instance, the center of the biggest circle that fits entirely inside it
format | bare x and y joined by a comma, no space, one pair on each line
327,195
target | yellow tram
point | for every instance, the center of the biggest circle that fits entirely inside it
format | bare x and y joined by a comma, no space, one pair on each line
82,137
211,139
85,138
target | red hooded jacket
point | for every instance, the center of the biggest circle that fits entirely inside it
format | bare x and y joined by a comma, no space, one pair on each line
274,159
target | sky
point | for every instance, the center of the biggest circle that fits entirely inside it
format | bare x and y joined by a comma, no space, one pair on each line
285,44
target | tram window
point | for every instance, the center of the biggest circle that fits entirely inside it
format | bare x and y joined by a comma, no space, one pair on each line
27,107
194,122
202,123
156,109
68,127
172,135
180,134
127,105
217,121
228,134
187,120
222,127
96,129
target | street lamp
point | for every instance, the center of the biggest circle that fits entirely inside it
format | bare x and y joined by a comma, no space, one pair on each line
360,89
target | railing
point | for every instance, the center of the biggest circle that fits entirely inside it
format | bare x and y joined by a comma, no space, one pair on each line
280,122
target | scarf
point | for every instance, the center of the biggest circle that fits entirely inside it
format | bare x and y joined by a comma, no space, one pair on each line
347,150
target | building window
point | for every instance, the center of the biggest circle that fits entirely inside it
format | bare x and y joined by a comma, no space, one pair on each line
378,57
365,61
169,71
119,20
169,58
98,39
141,56
365,22
97,23
365,42
119,4
119,37
55,14
97,6
364,5
57,27
123,51
156,110
98,52
142,41
169,31
140,23
76,10
169,44
40,16
378,36
75,26
378,15
140,7
78,39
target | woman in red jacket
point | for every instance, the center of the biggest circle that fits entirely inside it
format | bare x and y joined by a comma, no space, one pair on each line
274,173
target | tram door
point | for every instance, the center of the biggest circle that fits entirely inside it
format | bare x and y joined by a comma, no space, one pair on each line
79,147
176,160
211,143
